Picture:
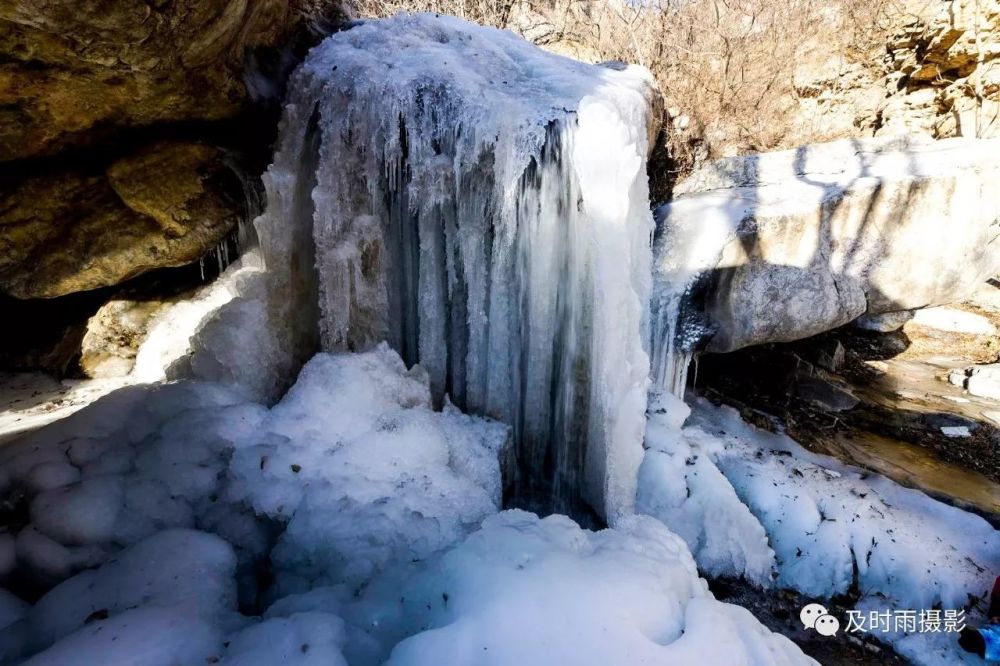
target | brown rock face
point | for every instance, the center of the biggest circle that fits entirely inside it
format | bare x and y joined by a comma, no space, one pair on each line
114,334
165,205
73,71
944,69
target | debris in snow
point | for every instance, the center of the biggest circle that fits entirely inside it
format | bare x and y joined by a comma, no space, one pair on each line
829,533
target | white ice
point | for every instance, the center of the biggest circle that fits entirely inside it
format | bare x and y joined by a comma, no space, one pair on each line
755,504
482,205
528,591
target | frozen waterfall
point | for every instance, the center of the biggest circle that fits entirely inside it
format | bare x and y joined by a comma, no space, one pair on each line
483,206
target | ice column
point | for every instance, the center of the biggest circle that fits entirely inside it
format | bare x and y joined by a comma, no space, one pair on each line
483,206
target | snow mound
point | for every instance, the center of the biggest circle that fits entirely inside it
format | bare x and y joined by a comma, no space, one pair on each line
169,599
524,590
183,569
302,639
364,472
833,529
147,636
135,462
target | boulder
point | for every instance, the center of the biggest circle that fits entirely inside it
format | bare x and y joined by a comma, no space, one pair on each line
114,334
165,205
785,245
76,71
979,380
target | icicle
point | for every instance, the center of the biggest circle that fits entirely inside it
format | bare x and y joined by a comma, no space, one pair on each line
491,222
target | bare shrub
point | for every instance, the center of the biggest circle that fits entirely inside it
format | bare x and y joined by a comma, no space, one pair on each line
727,68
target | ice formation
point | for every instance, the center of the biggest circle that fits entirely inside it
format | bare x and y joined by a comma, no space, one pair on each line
782,515
525,590
684,250
364,472
483,206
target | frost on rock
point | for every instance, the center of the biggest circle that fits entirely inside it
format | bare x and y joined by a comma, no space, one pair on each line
833,529
364,472
524,590
482,205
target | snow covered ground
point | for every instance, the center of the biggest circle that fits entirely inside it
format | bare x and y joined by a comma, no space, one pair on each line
152,511
196,521
755,504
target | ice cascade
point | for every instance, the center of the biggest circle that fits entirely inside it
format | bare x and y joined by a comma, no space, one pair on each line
482,205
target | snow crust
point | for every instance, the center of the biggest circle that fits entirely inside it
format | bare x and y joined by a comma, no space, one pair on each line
525,590
482,205
755,504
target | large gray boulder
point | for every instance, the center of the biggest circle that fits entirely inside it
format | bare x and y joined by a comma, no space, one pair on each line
785,245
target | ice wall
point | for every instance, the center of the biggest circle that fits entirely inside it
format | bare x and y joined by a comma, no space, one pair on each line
483,206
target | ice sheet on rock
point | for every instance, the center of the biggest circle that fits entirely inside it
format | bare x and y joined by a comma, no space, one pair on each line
524,590
833,528
482,205
684,249
364,472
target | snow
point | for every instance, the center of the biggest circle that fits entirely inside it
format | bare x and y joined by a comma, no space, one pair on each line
137,461
482,205
525,590
686,491
191,572
364,472
31,400
302,639
829,528
12,609
147,636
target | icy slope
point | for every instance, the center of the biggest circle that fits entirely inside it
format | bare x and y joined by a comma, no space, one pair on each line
755,504
482,205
